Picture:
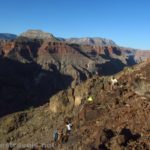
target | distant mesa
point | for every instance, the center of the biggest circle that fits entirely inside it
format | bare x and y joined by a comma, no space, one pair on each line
91,41
7,36
97,41
38,34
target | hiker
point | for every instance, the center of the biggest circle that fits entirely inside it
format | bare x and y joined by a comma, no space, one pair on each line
114,81
60,137
69,126
90,99
65,135
55,135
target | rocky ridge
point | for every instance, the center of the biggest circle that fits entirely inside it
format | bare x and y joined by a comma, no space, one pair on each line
38,34
99,125
90,41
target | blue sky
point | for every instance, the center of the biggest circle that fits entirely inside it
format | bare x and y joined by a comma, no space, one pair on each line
127,22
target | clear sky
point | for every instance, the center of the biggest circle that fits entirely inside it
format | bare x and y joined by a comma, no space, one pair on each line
127,22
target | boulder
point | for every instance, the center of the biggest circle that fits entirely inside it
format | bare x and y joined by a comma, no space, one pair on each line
78,100
61,102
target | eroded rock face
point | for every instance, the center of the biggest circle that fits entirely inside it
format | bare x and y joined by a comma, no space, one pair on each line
91,41
81,61
62,103
38,34
22,49
141,55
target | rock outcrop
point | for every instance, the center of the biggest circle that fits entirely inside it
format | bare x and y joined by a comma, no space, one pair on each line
38,34
90,41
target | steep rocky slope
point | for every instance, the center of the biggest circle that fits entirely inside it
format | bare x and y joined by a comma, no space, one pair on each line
85,58
141,55
117,119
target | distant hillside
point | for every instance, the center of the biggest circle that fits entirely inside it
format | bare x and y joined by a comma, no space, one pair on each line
7,36
91,41
38,34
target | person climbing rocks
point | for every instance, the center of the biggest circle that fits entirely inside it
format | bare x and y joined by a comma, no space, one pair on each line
114,82
68,126
90,99
66,132
55,135
60,137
